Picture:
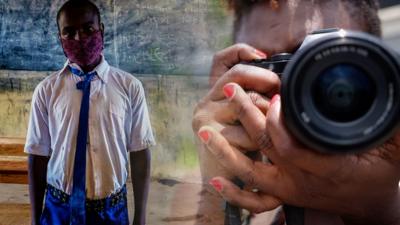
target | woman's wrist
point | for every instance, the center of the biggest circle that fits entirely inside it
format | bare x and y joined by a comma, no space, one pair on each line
383,212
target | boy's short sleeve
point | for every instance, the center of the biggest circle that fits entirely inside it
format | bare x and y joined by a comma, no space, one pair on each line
141,136
38,137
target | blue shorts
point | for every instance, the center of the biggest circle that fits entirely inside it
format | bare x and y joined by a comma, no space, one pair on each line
112,210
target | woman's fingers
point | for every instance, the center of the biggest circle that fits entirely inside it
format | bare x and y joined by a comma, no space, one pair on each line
261,101
253,173
253,78
252,119
255,202
236,135
227,58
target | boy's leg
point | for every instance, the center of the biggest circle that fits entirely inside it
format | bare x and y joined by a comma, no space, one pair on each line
56,210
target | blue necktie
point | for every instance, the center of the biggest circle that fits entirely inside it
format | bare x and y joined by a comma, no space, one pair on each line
78,195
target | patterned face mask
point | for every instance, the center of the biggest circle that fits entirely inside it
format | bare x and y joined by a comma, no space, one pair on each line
84,51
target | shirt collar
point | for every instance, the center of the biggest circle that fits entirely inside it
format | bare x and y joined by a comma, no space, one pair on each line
101,69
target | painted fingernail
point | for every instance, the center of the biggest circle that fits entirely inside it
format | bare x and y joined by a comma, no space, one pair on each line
204,136
216,184
274,99
229,90
260,53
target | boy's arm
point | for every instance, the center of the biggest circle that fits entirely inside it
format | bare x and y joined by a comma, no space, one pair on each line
37,170
140,173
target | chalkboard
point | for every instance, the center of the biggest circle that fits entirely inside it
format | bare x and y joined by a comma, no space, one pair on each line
147,37
387,3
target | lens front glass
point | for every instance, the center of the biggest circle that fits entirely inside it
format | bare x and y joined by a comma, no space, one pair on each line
343,92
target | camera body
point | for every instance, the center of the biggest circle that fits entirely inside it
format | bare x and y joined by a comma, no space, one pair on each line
340,90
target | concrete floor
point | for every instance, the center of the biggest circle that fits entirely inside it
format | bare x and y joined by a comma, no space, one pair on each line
170,203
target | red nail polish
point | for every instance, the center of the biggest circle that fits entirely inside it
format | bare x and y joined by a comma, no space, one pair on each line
204,136
260,53
229,90
216,184
274,99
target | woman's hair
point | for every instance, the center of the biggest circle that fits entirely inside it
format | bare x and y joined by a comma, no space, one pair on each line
364,12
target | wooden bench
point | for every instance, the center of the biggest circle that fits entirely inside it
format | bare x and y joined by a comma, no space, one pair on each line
13,161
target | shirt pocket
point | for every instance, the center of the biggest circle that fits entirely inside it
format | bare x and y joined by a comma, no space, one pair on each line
117,110
117,117
66,109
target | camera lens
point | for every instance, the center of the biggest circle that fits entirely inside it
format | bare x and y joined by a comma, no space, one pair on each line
343,93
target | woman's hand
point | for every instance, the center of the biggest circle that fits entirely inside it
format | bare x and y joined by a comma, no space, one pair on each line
216,111
362,188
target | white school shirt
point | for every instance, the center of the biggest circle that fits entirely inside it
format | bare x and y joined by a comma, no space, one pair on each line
118,123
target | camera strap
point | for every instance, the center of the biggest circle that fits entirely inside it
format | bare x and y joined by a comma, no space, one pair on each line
233,214
293,215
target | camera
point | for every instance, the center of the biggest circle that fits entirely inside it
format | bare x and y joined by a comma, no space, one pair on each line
340,90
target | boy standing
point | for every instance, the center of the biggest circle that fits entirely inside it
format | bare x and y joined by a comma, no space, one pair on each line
84,120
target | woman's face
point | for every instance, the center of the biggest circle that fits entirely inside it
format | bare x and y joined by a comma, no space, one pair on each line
283,30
